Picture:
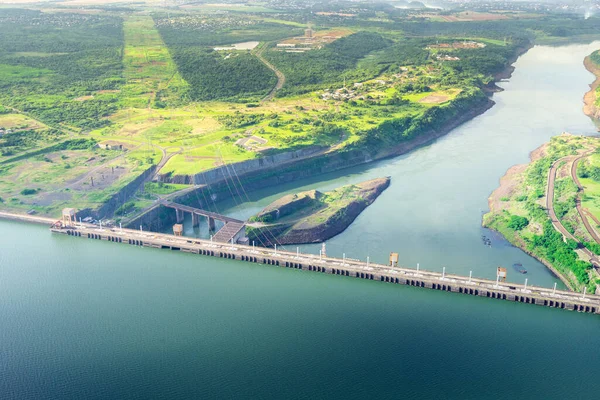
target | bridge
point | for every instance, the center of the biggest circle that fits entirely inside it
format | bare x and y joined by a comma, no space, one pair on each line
232,229
391,274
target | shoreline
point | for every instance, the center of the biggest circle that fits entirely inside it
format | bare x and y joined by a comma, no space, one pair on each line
506,183
337,161
356,159
589,99
32,219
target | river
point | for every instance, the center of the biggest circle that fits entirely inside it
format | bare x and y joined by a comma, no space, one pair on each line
88,319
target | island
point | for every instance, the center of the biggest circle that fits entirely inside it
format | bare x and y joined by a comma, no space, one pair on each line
550,209
313,216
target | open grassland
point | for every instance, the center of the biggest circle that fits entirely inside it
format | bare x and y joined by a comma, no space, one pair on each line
152,79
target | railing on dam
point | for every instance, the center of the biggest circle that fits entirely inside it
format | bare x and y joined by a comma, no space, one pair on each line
589,303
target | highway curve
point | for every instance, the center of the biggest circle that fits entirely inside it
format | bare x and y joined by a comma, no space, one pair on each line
552,213
580,209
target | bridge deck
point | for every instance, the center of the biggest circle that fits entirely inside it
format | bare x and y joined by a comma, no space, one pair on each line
454,283
228,232
199,211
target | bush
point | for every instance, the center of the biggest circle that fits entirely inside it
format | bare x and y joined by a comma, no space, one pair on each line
28,192
517,222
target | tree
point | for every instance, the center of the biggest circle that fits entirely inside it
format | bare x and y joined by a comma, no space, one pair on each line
517,222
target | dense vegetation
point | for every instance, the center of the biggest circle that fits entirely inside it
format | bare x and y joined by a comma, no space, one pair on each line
329,65
209,31
215,75
49,61
397,130
526,223
595,57
222,75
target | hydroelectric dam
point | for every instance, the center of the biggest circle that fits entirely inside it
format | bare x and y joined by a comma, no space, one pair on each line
391,274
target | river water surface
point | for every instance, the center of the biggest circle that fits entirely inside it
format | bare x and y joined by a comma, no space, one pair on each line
86,319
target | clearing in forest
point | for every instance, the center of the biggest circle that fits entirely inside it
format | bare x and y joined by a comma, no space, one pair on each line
151,74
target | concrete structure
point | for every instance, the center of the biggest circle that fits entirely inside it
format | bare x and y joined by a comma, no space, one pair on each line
501,273
69,216
178,230
232,228
346,267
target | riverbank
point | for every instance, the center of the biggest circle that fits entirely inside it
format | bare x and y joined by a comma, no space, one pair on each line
522,209
590,99
313,216
271,172
32,219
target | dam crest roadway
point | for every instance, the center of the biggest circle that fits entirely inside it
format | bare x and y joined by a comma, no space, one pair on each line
582,302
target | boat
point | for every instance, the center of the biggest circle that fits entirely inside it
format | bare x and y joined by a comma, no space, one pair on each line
519,268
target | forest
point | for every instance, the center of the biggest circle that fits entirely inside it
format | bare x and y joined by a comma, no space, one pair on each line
221,75
329,65
49,61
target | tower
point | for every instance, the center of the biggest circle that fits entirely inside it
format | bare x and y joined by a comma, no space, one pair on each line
69,217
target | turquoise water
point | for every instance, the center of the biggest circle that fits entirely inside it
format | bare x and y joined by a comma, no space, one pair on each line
86,319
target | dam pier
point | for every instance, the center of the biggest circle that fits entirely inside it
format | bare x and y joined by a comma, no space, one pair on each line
393,274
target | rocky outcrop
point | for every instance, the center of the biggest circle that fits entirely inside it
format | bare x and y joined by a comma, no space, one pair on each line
590,99
225,172
311,217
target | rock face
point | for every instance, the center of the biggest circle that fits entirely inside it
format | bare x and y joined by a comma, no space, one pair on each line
312,216
590,100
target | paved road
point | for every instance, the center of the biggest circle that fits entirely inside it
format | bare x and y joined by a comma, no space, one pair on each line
580,209
280,75
550,207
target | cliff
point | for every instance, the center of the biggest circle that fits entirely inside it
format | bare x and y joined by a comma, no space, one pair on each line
313,216
591,106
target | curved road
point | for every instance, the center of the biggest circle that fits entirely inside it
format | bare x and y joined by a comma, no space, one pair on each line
580,209
552,213
280,76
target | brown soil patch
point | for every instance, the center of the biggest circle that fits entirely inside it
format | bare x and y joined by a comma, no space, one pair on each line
589,99
512,180
509,183
84,98
434,99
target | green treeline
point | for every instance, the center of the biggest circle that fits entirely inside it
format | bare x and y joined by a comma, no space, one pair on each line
222,75
397,130
331,64
544,241
595,57
188,31
551,246
48,61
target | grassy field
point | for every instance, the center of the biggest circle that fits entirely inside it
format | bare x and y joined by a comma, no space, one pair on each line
151,75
